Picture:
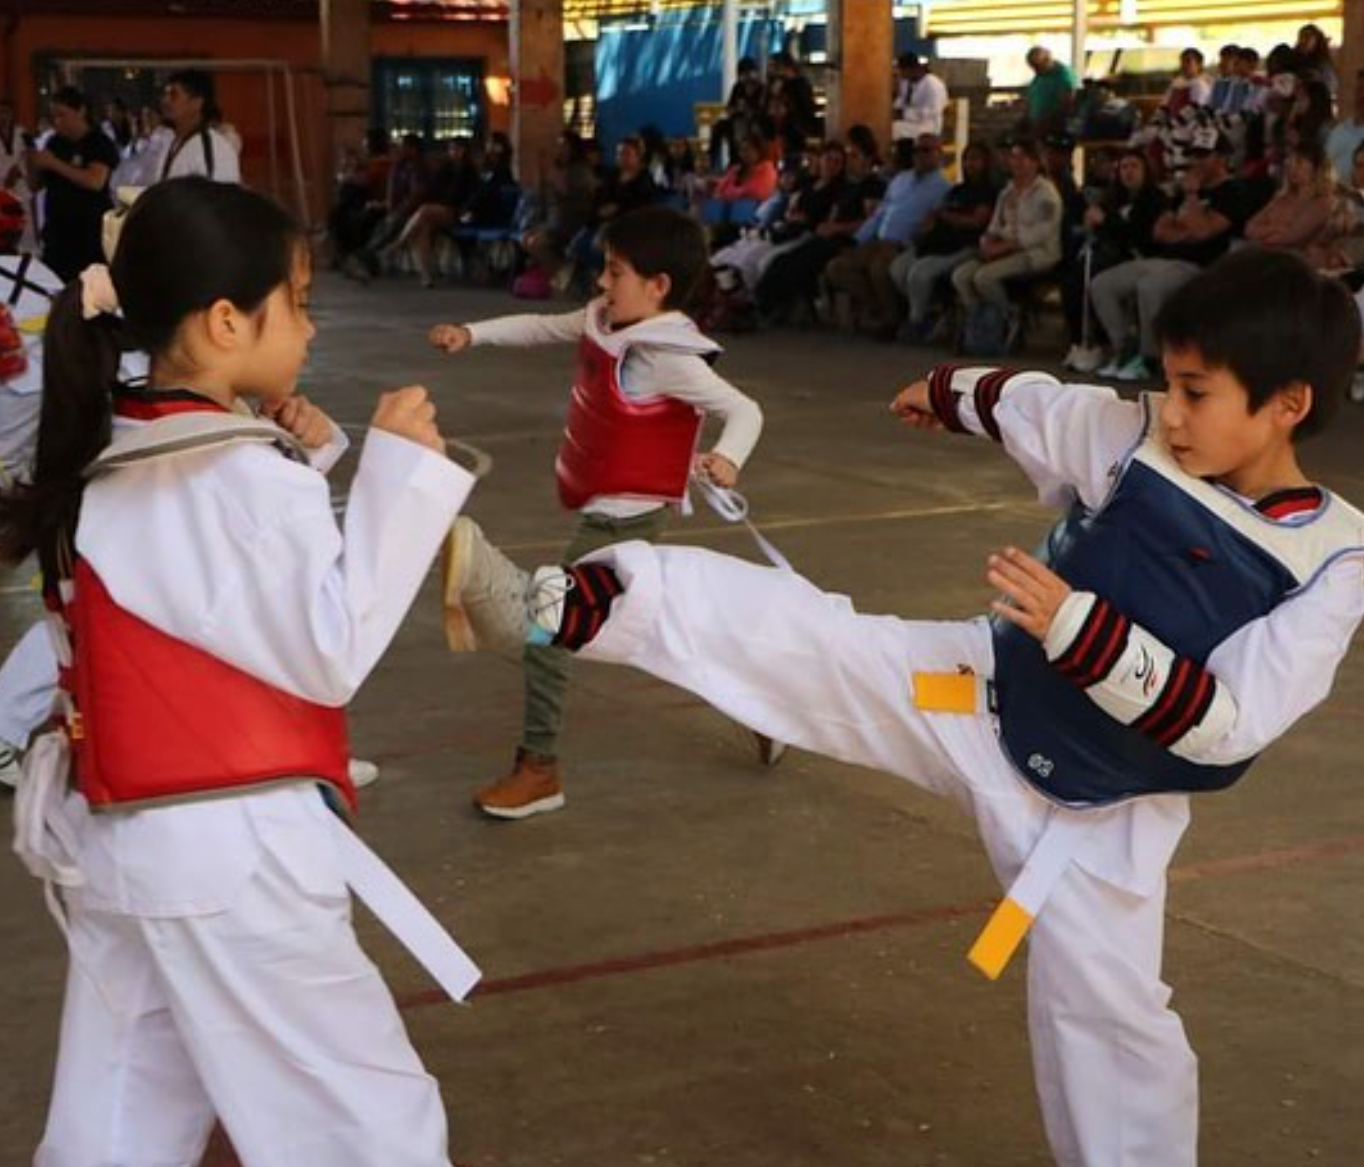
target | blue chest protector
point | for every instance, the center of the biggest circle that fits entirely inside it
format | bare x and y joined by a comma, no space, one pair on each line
1167,559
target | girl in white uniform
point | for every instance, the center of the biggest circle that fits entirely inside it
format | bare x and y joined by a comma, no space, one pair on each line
214,969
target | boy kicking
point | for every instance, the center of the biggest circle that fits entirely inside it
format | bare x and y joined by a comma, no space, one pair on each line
1194,601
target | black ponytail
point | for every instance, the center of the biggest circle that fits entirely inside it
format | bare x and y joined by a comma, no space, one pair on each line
186,244
80,369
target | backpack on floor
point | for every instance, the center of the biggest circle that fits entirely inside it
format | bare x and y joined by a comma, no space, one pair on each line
985,332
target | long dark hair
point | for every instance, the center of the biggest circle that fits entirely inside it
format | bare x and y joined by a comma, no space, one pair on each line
187,244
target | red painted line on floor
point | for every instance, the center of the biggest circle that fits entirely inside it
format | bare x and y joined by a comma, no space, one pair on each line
1268,860
667,958
744,945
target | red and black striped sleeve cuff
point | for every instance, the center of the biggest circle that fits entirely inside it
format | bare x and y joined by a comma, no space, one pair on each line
988,391
1182,703
587,604
943,398
1097,646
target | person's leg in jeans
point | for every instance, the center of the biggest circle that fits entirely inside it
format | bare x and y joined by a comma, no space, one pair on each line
885,296
992,279
925,276
1112,294
1161,280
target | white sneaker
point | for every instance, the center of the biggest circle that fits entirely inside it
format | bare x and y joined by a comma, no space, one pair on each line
545,603
1134,370
1085,360
363,773
11,764
484,594
1111,370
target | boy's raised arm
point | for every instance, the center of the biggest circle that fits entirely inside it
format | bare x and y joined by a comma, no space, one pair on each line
1067,438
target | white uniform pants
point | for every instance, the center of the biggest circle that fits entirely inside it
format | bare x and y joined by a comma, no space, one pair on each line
28,685
1115,1075
267,1015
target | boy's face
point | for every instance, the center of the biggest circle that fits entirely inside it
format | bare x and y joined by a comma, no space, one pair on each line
630,297
1212,432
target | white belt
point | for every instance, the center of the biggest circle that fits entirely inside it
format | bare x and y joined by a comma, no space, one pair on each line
403,914
1048,861
731,506
44,839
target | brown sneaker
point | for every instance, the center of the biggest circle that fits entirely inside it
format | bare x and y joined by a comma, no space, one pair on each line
531,788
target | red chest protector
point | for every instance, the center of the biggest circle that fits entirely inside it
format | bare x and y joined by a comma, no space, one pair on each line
158,720
613,445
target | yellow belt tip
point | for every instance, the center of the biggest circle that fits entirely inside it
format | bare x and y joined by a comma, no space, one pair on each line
1000,938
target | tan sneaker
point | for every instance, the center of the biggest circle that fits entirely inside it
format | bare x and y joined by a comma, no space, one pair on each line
531,788
484,593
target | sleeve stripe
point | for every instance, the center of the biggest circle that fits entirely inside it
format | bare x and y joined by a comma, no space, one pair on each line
988,391
1182,704
1113,650
942,398
1195,708
1098,646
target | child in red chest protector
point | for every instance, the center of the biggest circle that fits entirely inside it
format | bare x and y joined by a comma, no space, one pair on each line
643,386
212,622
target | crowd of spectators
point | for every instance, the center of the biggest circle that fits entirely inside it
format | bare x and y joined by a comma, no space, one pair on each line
875,237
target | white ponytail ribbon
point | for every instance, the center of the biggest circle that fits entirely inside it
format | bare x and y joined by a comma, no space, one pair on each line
98,296
731,506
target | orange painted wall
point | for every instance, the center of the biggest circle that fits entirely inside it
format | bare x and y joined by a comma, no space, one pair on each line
244,97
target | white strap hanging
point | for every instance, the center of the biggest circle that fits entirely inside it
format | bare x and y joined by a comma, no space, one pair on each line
732,507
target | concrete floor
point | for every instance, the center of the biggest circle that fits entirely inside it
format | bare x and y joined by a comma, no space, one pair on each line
701,962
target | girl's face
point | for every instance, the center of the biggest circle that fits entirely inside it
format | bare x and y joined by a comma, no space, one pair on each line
973,165
273,360
1132,172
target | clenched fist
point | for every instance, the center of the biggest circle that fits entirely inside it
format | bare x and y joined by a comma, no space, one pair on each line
410,414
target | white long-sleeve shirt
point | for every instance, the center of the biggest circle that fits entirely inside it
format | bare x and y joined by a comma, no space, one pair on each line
649,371
236,551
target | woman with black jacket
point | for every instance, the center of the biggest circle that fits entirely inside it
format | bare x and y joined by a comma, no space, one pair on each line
1119,225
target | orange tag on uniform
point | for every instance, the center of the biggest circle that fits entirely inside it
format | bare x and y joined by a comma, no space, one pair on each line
946,692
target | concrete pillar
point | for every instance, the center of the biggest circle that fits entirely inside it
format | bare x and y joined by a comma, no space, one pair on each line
345,74
862,52
537,69
1351,57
